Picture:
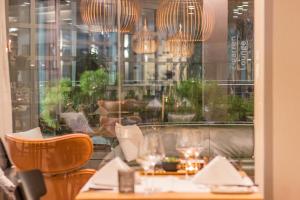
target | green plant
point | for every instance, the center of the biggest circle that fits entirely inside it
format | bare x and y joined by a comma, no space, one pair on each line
250,106
130,95
83,97
93,83
215,102
190,91
240,108
208,101
184,109
222,107
55,95
92,88
185,98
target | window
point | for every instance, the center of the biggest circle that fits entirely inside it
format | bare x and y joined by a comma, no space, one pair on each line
150,70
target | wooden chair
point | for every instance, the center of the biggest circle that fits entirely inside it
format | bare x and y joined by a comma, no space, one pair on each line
59,158
109,111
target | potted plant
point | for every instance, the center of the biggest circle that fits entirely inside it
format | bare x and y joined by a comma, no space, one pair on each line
182,112
240,109
184,101
75,98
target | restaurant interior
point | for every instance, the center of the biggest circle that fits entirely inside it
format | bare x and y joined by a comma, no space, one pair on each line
149,100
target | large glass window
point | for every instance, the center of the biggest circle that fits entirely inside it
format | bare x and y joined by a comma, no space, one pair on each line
169,64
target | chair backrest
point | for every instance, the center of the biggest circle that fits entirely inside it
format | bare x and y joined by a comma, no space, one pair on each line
77,122
4,159
31,186
53,155
107,107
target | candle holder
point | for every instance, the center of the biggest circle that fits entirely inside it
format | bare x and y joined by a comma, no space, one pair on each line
126,181
191,166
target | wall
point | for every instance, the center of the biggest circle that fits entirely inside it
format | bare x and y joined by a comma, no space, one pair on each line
282,100
259,97
5,100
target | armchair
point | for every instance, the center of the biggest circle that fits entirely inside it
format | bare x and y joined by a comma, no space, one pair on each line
59,158
110,114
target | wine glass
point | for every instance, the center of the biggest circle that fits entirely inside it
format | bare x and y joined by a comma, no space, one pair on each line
151,152
183,143
190,145
197,147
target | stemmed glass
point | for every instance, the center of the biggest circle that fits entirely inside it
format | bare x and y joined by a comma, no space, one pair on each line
190,145
151,152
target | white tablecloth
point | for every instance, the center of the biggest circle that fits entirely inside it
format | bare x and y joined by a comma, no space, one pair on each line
159,183
170,184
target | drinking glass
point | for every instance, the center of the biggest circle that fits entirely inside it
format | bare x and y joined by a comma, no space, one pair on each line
151,152
190,145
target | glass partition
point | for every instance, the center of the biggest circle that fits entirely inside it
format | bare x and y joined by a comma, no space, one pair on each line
152,63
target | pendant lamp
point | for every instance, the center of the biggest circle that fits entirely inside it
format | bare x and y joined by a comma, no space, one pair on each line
179,45
145,41
197,20
102,16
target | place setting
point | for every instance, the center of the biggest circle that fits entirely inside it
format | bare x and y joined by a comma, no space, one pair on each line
218,176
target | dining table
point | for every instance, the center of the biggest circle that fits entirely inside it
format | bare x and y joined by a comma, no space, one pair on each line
113,195
170,188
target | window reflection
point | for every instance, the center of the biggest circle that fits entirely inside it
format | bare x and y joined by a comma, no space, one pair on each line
20,73
45,11
68,76
19,11
75,68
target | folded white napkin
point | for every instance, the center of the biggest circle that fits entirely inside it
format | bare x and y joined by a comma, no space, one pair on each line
115,152
129,138
108,175
219,171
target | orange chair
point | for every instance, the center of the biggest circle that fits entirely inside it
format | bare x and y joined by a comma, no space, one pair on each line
59,158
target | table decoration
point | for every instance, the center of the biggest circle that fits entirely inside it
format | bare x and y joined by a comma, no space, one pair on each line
170,164
191,165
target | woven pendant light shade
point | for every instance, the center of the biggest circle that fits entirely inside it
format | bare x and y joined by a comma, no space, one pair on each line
101,15
145,41
180,46
197,21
